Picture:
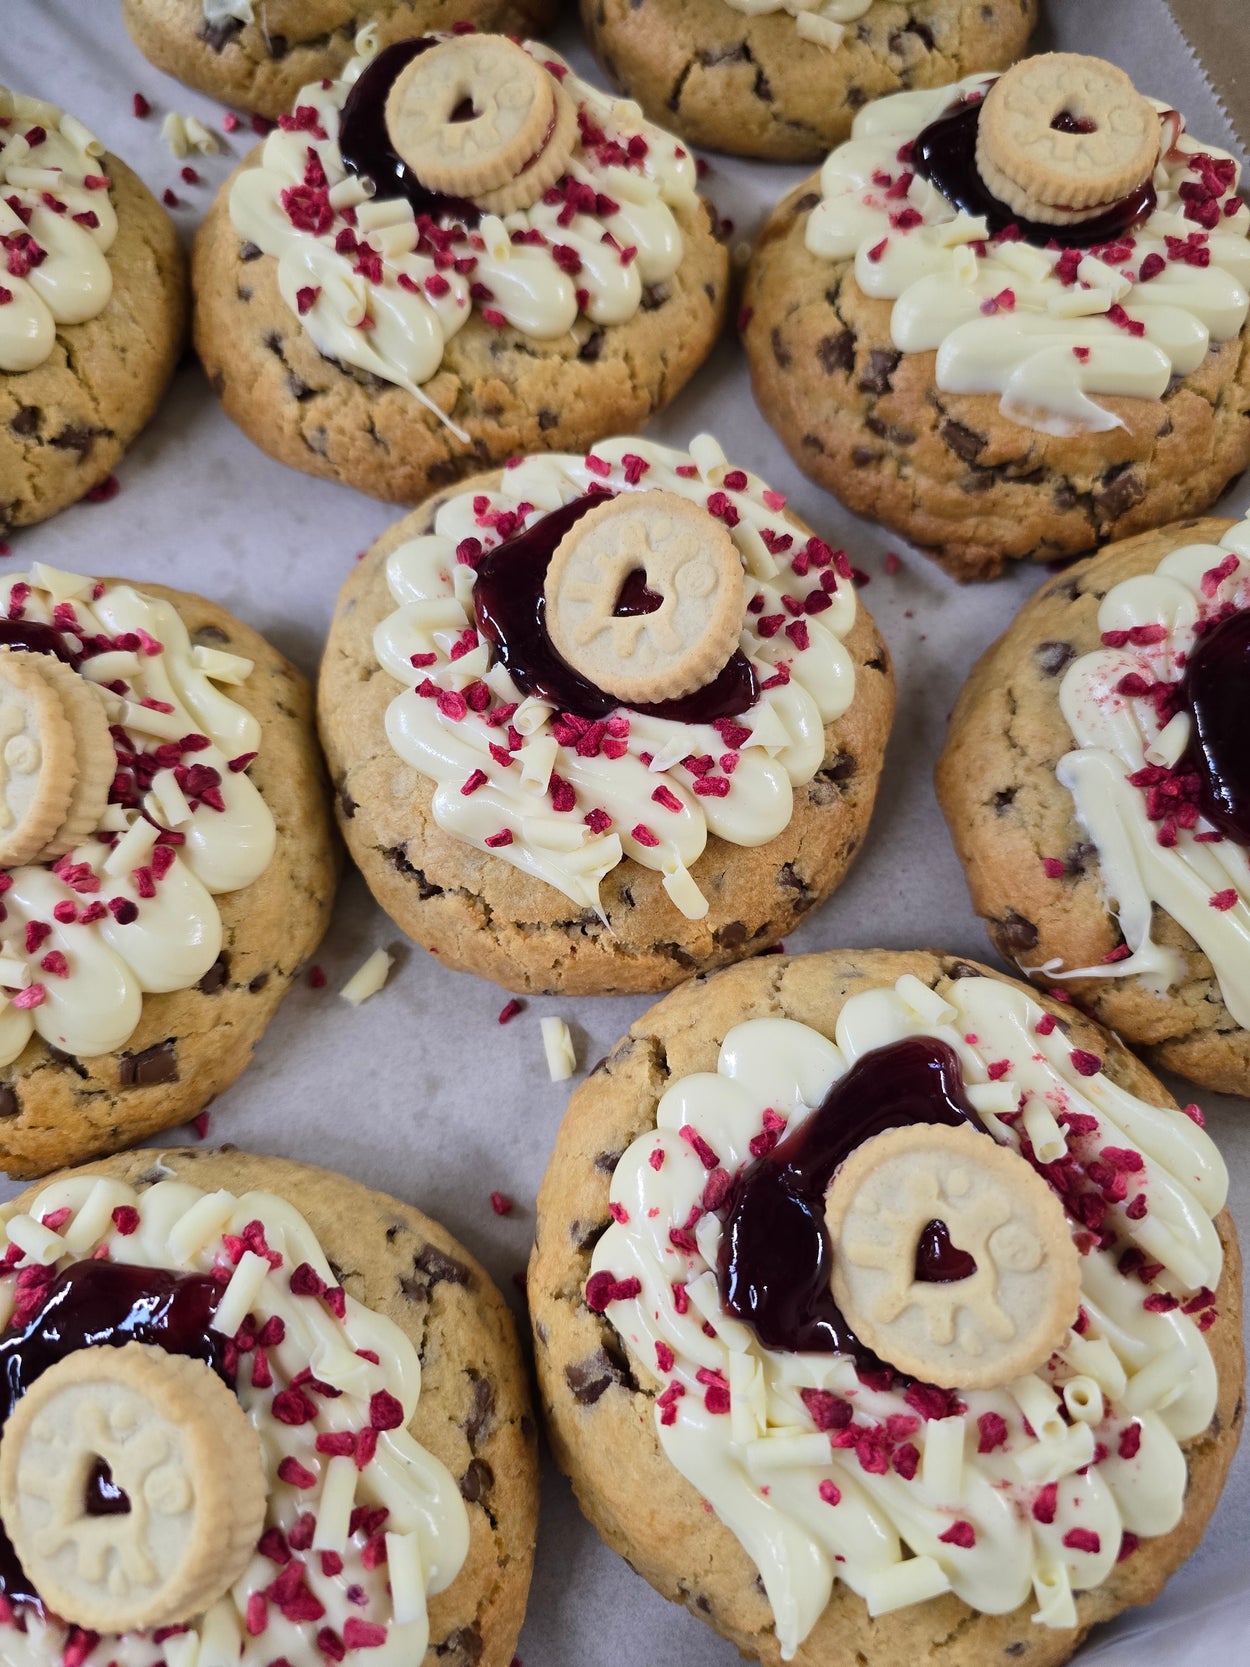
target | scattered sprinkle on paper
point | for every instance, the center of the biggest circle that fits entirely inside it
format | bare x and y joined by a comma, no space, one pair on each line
368,978
558,1046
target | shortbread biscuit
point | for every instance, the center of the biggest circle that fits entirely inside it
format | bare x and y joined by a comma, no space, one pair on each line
185,1500
93,749
1062,136
38,763
473,114
693,578
1000,1318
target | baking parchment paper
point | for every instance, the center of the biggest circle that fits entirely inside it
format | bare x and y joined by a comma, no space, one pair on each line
421,1092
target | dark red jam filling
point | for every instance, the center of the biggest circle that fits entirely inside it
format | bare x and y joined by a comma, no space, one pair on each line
107,1304
775,1258
37,639
938,1261
103,1496
511,615
946,155
366,146
1216,693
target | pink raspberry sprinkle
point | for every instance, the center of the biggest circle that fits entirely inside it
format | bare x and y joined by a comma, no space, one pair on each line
306,298
1052,867
642,833
386,1412
33,996
476,780
991,1432
603,1288
830,1492
1083,1539
665,1358
960,1533
1045,1024
363,1635
126,1220
497,840
292,1406
1224,900
509,1010
296,1475
1085,1064
501,1203
706,1156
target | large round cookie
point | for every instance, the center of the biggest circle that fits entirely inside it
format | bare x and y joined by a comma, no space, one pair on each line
65,423
949,471
261,63
473,1413
491,328
600,1410
1034,875
479,914
191,1044
743,79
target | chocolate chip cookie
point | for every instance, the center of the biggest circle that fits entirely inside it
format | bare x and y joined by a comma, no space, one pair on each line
784,80
673,1465
111,1037
1040,812
259,56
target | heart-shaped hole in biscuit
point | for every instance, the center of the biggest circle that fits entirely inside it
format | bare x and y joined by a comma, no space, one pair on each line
635,597
939,1261
1066,122
101,1496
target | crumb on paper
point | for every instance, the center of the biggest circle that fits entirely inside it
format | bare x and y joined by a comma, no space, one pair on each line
199,137
368,978
174,133
558,1046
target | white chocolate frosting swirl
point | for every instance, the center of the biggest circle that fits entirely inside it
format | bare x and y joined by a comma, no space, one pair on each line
57,225
1199,877
418,1539
1044,329
580,260
648,788
910,1500
131,909
821,21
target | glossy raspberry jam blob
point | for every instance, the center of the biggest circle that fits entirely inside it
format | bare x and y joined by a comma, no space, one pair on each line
1216,693
36,639
511,614
103,1304
938,1260
945,154
776,1258
366,146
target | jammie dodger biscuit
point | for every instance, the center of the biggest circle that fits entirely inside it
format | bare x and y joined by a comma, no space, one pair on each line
257,1408
365,312
1008,318
783,78
168,860
92,308
259,53
1034,1206
599,720
1096,786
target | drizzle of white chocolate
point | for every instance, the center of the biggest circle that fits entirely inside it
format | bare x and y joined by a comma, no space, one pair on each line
375,1572
1193,873
822,1475
543,270
998,312
633,794
57,225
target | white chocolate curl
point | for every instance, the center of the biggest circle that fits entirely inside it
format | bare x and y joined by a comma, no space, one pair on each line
54,242
1202,881
808,1512
754,802
398,326
427,1530
1003,321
